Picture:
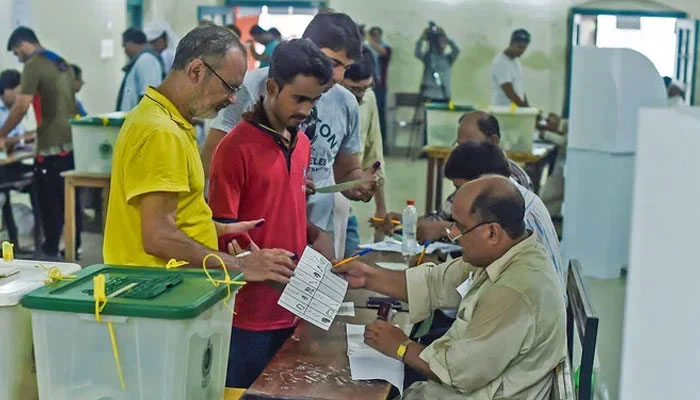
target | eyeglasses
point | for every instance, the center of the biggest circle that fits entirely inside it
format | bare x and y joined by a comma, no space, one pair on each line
453,225
232,89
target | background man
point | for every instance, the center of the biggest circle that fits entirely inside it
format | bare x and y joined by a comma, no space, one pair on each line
382,55
163,40
507,85
359,81
267,39
437,63
145,68
47,83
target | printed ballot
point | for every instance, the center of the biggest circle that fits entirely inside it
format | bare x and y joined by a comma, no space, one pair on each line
314,293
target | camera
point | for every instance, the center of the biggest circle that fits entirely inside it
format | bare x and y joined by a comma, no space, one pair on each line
433,34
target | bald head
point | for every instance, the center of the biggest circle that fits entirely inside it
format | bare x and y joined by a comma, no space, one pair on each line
494,198
478,126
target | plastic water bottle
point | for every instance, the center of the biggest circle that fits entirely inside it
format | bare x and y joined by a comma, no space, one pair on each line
409,220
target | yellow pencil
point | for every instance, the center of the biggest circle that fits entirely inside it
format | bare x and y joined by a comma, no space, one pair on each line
353,258
393,221
422,254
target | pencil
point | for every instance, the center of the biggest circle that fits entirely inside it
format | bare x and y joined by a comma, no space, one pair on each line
422,254
353,258
393,221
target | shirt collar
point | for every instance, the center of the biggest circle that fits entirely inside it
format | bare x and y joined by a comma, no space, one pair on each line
169,108
496,268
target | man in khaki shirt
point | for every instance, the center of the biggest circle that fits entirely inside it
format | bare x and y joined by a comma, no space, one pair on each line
510,331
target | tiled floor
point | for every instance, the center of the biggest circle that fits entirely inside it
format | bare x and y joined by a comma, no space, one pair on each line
406,180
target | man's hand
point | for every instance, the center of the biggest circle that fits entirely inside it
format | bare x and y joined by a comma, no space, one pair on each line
323,243
355,272
364,191
384,337
386,227
267,265
310,187
237,227
430,230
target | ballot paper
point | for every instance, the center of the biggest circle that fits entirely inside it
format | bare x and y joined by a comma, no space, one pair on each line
347,308
341,186
394,246
367,363
314,293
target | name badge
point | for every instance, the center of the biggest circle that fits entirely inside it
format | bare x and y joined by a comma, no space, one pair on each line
463,289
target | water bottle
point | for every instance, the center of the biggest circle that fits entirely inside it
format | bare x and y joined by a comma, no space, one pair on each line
409,220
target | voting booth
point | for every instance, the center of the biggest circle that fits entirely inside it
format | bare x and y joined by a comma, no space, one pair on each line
659,350
608,88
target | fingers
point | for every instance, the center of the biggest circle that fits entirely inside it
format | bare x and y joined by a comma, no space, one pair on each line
237,227
234,248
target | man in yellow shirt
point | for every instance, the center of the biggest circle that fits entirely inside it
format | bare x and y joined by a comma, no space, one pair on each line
156,207
510,328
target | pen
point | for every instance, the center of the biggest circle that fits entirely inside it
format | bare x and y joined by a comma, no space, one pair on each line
393,221
422,254
353,258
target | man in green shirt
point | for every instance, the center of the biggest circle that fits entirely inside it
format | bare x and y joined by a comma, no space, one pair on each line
47,83
509,333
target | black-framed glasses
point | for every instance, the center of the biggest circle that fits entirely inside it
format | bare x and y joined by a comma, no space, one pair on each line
451,226
231,89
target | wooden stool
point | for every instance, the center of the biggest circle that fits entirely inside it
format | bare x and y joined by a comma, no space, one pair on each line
437,156
75,179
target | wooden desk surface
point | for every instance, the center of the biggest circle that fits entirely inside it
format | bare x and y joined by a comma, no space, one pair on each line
16,157
90,175
313,364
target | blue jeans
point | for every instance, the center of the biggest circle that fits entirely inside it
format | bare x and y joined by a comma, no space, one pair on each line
250,352
352,236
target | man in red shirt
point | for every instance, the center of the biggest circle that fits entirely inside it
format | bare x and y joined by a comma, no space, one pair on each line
259,171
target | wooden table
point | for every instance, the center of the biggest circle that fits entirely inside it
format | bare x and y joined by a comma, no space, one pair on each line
313,364
75,179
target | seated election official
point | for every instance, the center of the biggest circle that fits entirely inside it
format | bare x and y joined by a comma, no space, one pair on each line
259,170
510,328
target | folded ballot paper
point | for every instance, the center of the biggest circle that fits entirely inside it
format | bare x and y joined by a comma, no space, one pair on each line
367,363
314,293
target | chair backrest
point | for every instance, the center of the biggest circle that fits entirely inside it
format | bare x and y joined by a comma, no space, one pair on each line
407,99
562,385
580,310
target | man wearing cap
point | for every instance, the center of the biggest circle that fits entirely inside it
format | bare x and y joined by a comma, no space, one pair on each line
163,40
507,85
145,68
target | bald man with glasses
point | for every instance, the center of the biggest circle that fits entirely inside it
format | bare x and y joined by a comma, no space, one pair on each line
510,328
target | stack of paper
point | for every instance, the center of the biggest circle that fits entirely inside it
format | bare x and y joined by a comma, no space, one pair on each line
367,363
394,246
314,293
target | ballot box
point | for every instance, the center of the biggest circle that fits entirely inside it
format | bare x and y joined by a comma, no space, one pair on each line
94,138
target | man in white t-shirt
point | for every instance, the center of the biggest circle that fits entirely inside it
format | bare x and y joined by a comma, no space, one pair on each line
333,128
507,84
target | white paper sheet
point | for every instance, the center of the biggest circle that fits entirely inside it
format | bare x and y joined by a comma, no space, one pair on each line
367,363
347,308
314,293
394,246
392,266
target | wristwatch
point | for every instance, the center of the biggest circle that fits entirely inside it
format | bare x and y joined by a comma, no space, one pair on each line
401,351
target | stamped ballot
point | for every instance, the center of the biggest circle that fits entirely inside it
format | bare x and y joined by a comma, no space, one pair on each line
314,293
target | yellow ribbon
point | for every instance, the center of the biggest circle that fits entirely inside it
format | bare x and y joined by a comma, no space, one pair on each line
54,274
513,108
228,282
173,263
100,303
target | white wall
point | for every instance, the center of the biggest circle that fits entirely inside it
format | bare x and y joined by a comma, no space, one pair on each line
73,29
482,28
180,14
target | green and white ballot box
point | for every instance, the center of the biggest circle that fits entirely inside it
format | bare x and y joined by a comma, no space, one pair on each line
442,121
94,138
17,278
123,332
